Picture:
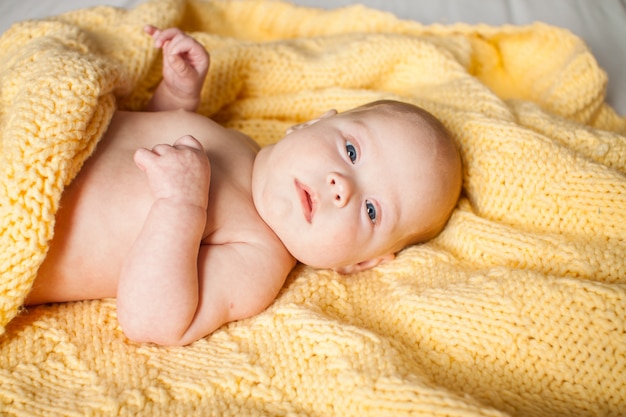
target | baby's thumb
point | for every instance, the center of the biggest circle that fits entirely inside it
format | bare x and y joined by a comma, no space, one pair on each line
177,63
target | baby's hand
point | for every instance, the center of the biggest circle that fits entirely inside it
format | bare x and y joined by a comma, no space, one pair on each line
180,172
185,64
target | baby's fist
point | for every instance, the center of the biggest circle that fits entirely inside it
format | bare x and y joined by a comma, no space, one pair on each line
180,172
185,62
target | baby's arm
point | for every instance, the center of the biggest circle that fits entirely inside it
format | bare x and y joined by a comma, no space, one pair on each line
173,289
185,66
158,288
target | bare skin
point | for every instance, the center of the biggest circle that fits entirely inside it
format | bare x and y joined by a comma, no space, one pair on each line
138,224
104,210
190,225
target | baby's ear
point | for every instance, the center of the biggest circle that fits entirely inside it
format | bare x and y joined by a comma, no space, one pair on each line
329,113
365,265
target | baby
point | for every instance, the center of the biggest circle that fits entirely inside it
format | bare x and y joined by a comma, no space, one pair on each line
192,233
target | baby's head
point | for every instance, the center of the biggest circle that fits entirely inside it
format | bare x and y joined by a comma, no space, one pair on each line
349,190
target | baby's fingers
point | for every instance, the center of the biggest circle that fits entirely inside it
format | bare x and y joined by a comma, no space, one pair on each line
189,141
160,37
143,158
149,29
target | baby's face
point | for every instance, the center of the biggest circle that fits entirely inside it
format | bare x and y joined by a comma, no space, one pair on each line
349,187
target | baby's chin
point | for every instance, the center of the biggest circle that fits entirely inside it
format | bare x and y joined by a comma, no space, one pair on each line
315,263
322,260
316,254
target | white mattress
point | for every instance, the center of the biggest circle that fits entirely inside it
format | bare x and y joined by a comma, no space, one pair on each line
601,23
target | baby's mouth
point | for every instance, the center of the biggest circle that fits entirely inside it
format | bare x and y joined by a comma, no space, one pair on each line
307,201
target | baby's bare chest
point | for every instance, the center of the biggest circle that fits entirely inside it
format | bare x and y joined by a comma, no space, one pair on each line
114,180
103,210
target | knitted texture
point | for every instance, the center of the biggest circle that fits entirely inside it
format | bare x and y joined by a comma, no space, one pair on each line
518,308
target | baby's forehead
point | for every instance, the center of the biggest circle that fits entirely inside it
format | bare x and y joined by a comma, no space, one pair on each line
393,109
412,120
410,131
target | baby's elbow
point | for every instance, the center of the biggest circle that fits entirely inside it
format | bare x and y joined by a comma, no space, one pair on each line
163,334
134,334
154,335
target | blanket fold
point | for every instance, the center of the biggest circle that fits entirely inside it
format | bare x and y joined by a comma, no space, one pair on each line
518,308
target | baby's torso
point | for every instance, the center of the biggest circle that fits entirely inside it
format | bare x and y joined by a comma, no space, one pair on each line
104,208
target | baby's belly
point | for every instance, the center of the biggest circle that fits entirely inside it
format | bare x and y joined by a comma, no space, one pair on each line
101,214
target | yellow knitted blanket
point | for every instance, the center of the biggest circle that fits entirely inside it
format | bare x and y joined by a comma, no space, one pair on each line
518,308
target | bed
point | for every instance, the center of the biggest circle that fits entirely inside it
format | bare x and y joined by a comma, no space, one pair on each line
517,309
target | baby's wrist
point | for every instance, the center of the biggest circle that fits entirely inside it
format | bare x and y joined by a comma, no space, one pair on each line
166,98
180,205
185,100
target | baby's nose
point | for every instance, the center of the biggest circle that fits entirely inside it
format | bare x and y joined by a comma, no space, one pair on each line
341,188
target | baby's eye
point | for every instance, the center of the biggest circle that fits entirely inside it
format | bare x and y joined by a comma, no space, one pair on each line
351,151
371,211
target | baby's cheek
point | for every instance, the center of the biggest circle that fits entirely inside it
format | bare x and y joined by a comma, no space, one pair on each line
340,243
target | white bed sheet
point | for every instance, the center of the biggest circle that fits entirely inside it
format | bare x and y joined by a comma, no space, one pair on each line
601,23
